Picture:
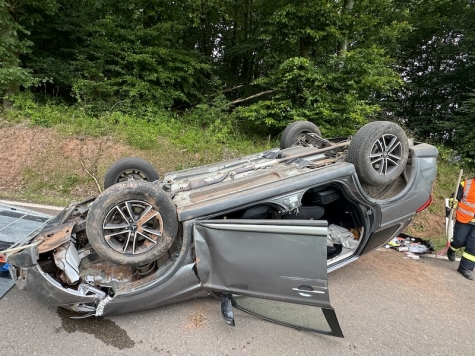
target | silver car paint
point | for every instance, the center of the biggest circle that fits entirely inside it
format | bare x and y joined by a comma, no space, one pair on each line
251,257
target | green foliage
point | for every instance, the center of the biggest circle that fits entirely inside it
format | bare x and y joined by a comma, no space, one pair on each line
120,56
309,28
11,45
335,95
215,115
208,128
216,77
460,136
55,115
14,42
436,60
230,65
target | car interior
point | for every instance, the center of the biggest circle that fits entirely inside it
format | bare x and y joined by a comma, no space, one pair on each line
319,203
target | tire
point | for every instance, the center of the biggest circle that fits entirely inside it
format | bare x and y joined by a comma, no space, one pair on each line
296,130
379,151
130,168
132,223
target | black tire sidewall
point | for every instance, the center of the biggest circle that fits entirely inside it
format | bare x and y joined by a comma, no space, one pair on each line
131,190
362,144
129,163
294,130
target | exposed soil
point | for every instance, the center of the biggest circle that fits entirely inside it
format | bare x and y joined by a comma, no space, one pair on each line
428,225
26,153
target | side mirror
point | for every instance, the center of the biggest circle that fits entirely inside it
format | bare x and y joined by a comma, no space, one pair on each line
227,309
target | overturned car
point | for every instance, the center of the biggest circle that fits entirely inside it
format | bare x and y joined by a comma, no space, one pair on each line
260,232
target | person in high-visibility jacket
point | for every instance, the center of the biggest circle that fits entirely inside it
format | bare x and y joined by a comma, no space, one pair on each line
464,229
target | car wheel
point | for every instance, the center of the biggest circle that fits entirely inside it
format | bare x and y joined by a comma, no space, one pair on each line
132,223
295,131
379,151
130,168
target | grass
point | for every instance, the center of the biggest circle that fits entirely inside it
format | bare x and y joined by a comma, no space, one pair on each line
206,132
39,198
54,189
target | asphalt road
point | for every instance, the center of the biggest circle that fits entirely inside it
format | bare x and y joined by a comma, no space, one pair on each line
386,305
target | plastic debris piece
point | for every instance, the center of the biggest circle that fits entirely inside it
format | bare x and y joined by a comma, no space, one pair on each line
5,267
418,248
394,242
411,255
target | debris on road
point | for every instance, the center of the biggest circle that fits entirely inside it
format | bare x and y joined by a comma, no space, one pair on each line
411,246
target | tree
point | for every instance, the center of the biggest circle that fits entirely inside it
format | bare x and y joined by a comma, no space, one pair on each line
136,53
460,136
328,64
335,94
435,60
14,18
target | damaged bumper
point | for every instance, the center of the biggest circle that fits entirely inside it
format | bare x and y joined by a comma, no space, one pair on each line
59,274
28,275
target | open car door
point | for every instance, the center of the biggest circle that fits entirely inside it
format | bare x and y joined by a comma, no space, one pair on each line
274,269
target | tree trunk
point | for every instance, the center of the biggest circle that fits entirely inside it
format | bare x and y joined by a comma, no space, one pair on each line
8,35
13,88
348,7
304,48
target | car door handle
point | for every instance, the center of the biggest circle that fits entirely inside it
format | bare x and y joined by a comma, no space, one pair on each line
310,291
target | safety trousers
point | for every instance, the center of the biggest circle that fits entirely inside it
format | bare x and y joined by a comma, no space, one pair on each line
464,236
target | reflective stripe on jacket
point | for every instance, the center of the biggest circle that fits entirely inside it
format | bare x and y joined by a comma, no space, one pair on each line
466,206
